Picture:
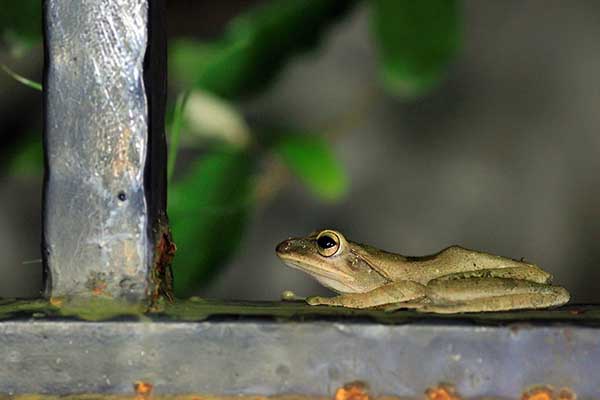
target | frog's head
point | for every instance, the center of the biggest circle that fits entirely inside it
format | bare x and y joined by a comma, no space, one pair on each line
332,260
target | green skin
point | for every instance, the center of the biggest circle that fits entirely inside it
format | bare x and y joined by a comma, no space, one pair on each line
453,280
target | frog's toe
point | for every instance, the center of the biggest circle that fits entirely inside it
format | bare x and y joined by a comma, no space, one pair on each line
405,305
316,300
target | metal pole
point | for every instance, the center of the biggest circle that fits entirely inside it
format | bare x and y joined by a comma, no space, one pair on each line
105,228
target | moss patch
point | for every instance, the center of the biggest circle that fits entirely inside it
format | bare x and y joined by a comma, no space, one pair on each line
99,308
9,308
196,309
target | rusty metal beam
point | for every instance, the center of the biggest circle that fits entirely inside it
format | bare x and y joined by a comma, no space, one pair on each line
269,348
267,357
104,193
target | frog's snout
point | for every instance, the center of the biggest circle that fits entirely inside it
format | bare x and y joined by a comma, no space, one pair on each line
284,247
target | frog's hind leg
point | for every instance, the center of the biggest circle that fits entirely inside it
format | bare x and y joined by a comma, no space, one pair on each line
387,294
526,272
491,294
472,260
499,303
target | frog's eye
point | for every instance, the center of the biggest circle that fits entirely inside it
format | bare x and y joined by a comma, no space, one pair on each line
328,243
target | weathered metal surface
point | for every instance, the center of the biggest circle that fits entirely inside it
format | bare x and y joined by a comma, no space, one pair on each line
351,391
310,358
104,101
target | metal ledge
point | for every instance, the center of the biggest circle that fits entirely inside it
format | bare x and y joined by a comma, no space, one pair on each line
294,349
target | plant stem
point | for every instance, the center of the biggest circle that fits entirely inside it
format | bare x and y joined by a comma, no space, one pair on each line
176,132
21,79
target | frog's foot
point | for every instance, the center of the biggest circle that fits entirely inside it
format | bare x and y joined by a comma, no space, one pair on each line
407,305
320,301
348,301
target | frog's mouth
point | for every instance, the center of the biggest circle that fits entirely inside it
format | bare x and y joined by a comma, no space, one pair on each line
335,275
336,281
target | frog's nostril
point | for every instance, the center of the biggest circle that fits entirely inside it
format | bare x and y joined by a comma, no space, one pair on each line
283,247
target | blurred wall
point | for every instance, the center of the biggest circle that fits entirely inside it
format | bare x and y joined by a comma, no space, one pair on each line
502,158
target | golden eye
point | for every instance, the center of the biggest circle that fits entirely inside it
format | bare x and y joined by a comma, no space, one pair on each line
328,243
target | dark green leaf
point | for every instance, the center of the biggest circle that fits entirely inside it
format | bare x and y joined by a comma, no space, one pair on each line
416,40
27,159
208,212
255,46
21,23
218,68
310,158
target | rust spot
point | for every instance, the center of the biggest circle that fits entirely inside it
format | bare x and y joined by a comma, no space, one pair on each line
56,301
568,334
96,283
356,390
143,390
99,288
566,394
577,311
548,393
443,391
538,393
164,252
514,328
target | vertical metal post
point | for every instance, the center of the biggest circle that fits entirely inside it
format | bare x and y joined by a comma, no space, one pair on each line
105,228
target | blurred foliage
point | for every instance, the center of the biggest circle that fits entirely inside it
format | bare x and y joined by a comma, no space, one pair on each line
28,159
208,117
416,40
212,200
310,157
21,24
208,211
255,46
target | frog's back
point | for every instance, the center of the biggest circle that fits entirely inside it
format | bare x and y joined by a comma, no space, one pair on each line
451,260
392,266
457,260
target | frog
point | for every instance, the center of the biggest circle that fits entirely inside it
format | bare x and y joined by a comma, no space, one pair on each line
453,280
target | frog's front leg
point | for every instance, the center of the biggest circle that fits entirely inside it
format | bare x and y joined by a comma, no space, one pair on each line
395,292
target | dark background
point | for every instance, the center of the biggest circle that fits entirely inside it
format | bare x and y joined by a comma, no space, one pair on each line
502,157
